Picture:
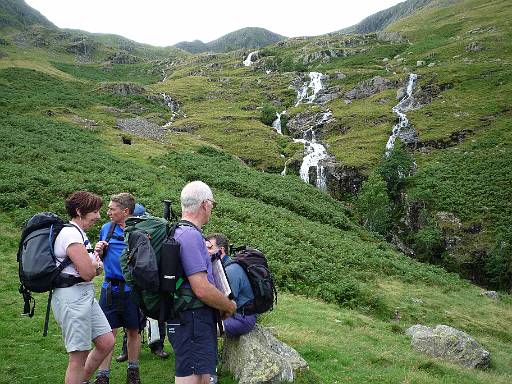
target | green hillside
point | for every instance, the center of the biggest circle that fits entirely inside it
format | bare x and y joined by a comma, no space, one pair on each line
67,111
245,38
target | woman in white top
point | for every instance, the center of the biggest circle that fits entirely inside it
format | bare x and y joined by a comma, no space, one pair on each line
75,308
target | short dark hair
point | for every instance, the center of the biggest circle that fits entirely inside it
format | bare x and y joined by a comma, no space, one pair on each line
125,200
221,241
84,201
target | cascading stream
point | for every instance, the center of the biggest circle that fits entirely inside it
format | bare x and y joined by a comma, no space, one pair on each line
403,106
314,152
310,89
248,60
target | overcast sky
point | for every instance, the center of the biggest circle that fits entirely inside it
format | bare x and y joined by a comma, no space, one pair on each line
167,22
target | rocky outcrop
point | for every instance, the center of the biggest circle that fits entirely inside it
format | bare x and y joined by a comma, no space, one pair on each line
82,46
454,139
342,180
123,58
302,123
143,128
474,47
325,56
369,87
449,344
392,37
124,89
258,358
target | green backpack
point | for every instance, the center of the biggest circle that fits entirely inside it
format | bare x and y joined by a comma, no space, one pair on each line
152,268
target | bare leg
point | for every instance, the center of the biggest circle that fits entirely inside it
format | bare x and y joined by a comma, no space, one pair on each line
193,379
75,370
101,353
134,340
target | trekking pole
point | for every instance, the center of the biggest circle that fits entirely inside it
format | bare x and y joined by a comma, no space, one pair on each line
168,212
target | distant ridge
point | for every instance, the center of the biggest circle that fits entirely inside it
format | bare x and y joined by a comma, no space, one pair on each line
380,20
19,15
251,37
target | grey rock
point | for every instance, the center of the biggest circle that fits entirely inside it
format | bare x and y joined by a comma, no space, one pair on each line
474,47
420,63
325,55
449,344
143,128
393,37
418,330
491,294
303,122
123,89
258,358
342,180
369,87
123,58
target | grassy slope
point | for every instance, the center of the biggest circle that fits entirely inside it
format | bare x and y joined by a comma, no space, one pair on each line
473,178
291,221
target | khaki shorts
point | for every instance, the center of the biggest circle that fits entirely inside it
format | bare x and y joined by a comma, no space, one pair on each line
79,315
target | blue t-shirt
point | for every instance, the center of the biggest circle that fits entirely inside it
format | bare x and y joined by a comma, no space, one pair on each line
112,254
238,281
193,254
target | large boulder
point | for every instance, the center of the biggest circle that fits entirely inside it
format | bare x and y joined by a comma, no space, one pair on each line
449,344
259,357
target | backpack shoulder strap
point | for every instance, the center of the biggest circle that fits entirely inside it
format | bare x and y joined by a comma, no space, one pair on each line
110,231
182,223
67,261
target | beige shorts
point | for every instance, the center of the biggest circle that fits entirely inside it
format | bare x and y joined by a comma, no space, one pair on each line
79,315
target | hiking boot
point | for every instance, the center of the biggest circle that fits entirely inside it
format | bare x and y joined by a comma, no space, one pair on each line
122,357
160,353
132,376
101,380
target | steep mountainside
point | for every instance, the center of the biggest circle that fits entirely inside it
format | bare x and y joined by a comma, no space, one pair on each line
380,20
17,14
245,38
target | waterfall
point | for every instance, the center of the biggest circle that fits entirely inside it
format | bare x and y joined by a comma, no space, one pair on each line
403,106
314,152
173,106
248,61
314,85
277,123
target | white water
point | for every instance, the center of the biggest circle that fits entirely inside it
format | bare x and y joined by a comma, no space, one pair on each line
310,89
314,152
403,106
169,102
277,123
248,61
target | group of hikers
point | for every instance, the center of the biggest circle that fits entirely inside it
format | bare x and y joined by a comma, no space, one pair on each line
193,332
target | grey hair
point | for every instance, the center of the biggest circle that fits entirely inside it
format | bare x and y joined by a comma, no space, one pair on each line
193,194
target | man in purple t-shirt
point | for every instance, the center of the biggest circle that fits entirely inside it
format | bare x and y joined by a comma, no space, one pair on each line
194,334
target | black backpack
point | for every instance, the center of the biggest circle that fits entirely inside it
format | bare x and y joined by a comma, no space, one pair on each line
255,265
37,265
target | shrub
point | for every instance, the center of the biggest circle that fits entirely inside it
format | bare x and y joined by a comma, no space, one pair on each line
268,115
373,204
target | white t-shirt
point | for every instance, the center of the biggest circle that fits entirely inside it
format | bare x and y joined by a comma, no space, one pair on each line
67,236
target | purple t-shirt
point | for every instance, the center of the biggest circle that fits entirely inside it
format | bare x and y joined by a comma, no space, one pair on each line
194,255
